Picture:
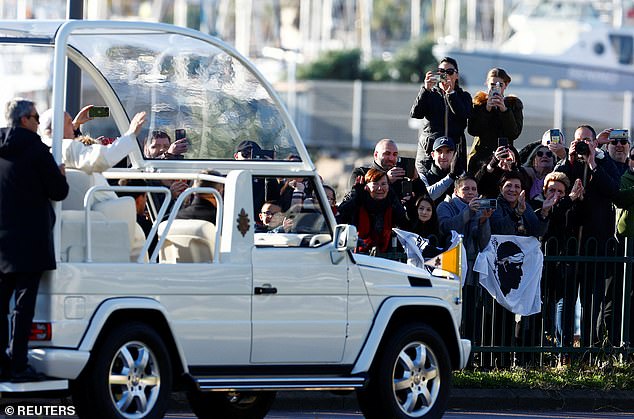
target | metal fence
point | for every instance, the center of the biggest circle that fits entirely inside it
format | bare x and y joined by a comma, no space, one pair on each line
587,298
586,309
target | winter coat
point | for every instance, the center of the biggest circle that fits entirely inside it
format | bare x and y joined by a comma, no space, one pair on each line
430,106
29,179
486,127
456,215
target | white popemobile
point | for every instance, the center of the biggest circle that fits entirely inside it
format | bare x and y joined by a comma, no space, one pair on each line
226,314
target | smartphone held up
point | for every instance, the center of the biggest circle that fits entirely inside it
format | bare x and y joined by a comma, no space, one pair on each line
99,112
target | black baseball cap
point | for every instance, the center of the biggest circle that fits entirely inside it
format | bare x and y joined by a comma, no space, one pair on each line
248,145
444,142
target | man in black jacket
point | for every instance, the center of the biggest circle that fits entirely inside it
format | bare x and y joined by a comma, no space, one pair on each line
445,169
593,223
204,205
29,179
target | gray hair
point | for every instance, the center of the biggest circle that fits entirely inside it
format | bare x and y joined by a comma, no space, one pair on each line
16,109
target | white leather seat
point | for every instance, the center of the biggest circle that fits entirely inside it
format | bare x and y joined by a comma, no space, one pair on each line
188,241
109,240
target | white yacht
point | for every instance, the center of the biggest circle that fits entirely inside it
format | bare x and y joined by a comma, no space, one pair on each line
554,44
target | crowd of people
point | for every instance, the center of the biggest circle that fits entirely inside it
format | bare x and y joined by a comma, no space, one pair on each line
576,198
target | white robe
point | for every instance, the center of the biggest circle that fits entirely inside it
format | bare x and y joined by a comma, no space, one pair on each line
95,158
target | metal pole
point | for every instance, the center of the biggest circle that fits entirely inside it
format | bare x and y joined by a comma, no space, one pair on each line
75,10
627,110
558,114
357,106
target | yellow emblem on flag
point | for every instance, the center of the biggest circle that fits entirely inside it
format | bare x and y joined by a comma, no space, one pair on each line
449,260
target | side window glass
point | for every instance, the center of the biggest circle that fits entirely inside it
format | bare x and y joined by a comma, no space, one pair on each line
289,213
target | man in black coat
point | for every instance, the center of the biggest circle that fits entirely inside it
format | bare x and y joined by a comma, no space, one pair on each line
29,179
593,224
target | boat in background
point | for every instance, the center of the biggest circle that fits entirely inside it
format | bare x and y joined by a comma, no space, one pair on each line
556,44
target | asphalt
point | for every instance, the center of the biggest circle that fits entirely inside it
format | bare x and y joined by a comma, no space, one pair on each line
464,399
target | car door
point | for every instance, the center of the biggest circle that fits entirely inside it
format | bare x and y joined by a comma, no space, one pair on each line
300,295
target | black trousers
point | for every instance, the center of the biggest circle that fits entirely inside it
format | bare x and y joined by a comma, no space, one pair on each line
25,285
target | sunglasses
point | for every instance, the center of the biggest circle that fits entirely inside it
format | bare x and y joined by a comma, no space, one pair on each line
541,153
622,142
160,134
35,116
447,71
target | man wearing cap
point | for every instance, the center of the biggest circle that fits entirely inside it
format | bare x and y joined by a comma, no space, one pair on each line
264,189
446,168
247,150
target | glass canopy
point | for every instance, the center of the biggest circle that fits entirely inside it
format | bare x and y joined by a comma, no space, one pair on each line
182,78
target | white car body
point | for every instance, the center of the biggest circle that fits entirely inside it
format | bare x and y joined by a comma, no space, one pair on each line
270,312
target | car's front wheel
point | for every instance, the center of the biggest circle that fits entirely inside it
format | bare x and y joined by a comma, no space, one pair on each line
411,378
129,376
231,404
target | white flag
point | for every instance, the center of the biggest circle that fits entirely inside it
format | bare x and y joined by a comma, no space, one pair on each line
413,245
510,269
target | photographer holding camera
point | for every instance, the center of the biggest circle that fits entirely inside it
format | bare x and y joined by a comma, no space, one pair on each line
407,186
444,108
593,223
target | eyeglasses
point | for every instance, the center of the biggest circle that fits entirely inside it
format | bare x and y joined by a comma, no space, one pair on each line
268,213
541,153
35,116
622,142
448,71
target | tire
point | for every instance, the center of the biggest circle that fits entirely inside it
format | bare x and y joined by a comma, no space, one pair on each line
234,405
411,378
129,376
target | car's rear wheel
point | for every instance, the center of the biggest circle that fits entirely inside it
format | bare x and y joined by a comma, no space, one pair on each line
231,404
129,376
411,378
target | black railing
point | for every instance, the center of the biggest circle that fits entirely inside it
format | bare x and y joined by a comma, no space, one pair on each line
586,308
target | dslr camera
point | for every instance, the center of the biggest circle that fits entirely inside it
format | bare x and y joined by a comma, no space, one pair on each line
264,154
582,149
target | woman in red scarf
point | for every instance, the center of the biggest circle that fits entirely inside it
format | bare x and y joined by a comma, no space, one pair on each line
374,209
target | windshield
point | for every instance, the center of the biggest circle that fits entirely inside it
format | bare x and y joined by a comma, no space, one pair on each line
186,83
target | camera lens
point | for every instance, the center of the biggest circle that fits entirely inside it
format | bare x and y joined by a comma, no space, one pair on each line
582,148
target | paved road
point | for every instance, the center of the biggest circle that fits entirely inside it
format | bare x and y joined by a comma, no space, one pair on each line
452,414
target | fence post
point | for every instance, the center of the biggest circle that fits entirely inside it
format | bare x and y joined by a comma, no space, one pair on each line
627,289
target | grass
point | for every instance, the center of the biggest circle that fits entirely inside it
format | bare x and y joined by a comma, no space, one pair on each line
610,376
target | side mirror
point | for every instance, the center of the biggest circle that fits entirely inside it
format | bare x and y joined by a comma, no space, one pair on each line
345,237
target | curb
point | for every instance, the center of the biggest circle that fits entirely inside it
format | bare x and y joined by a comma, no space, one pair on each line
460,399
